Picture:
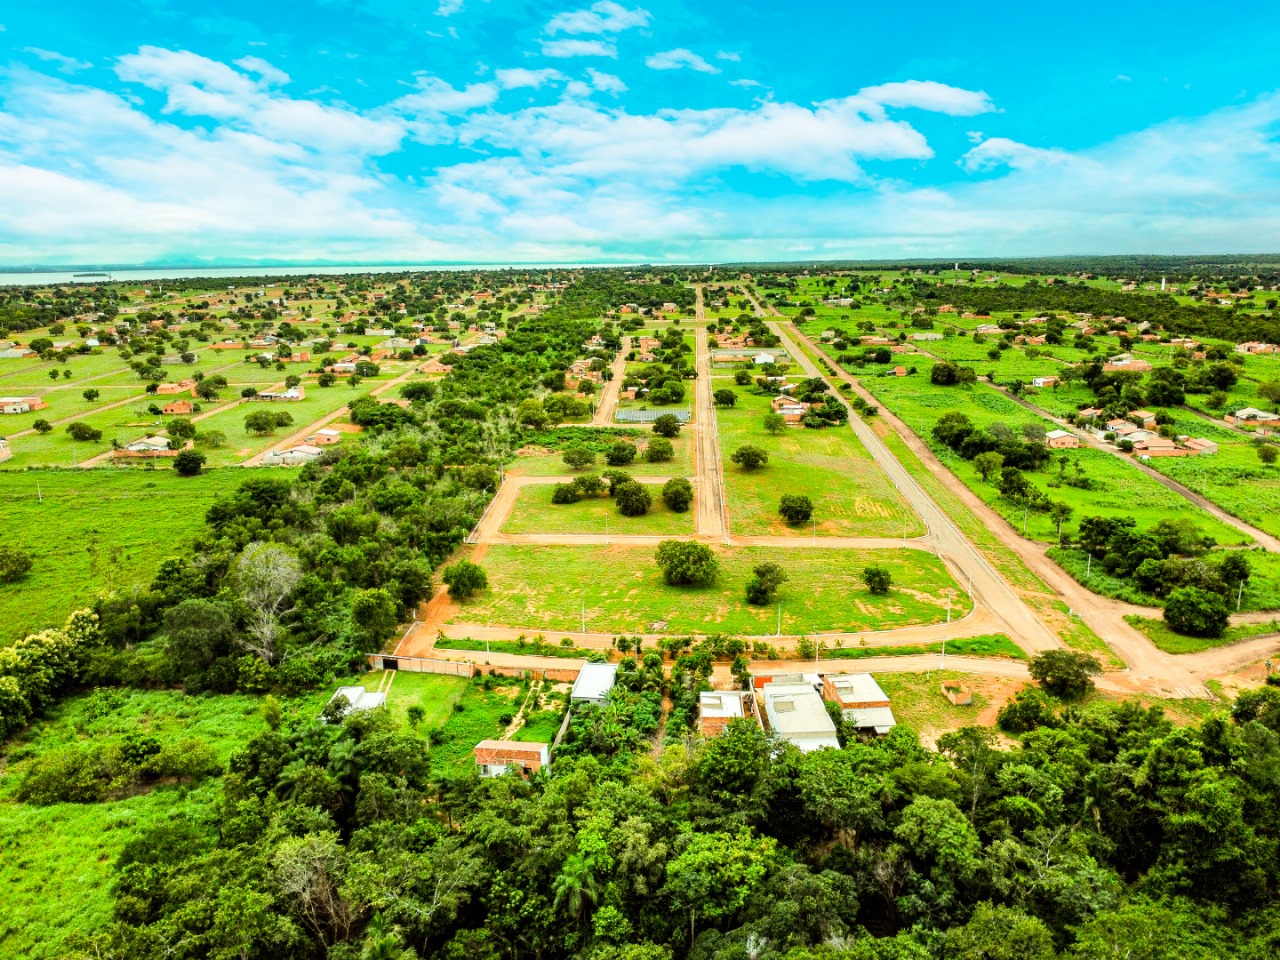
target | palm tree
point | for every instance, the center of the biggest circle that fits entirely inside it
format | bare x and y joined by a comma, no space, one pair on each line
575,886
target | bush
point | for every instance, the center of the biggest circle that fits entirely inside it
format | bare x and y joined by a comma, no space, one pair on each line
684,563
188,463
677,493
659,450
566,493
82,432
750,457
15,563
1196,612
763,585
667,425
620,454
724,398
795,508
576,458
633,499
464,578
877,579
1029,709
1065,673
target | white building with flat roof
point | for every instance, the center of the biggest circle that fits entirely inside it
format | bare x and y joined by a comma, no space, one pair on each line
594,682
358,698
797,713
862,703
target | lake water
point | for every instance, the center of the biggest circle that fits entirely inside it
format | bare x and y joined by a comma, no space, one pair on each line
149,274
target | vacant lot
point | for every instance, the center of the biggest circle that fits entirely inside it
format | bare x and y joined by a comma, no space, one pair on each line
533,512
623,592
851,495
94,530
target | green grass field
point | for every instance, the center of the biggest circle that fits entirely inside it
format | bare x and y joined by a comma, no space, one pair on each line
987,645
479,719
622,588
97,530
540,463
533,512
435,693
1120,489
1159,633
851,495
55,861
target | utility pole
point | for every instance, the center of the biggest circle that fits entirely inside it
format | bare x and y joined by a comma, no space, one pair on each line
943,665
584,616
948,608
815,528
1239,596
1088,567
779,618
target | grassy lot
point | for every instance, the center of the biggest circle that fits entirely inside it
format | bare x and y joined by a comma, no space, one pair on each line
1159,633
918,702
851,495
478,714
55,861
988,645
545,462
533,512
624,593
435,693
1119,489
538,648
97,530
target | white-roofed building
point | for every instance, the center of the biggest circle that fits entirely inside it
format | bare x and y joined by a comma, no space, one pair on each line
719,708
795,711
862,703
594,682
358,698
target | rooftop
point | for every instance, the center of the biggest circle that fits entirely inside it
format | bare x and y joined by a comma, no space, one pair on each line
594,681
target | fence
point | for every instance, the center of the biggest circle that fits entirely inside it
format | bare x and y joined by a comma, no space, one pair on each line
632,415
384,661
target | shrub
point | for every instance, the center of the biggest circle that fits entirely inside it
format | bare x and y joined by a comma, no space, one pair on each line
576,458
684,563
188,463
795,508
659,450
82,432
464,578
677,493
15,563
667,425
1065,673
566,493
633,499
620,454
1029,709
764,583
750,457
1196,612
877,579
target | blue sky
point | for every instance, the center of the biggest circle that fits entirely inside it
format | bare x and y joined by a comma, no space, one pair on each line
464,130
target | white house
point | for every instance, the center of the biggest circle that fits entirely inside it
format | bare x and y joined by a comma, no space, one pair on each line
594,682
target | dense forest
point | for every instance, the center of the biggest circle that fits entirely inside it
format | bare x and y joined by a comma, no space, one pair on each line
1105,833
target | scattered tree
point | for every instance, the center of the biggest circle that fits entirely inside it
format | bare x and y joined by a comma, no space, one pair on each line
633,499
750,457
188,463
1196,612
677,493
795,508
1065,673
684,563
464,579
878,579
764,583
667,425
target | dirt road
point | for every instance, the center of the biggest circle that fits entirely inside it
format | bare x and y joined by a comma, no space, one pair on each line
713,517
608,404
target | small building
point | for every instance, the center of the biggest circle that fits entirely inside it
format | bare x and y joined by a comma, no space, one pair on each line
1199,445
926,336
358,698
303,453
177,408
792,410
1244,417
1088,413
762,359
899,371
293,393
1121,428
1044,381
325,437
147,448
182,386
21,404
5,451
718,708
497,757
594,682
1143,418
1157,446
862,703
795,711
1061,440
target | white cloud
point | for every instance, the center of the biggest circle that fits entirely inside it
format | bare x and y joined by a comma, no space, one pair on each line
1123,78
729,55
603,17
745,83
199,87
579,48
1002,152
269,73
930,95
679,59
448,8
606,82
65,64
520,77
